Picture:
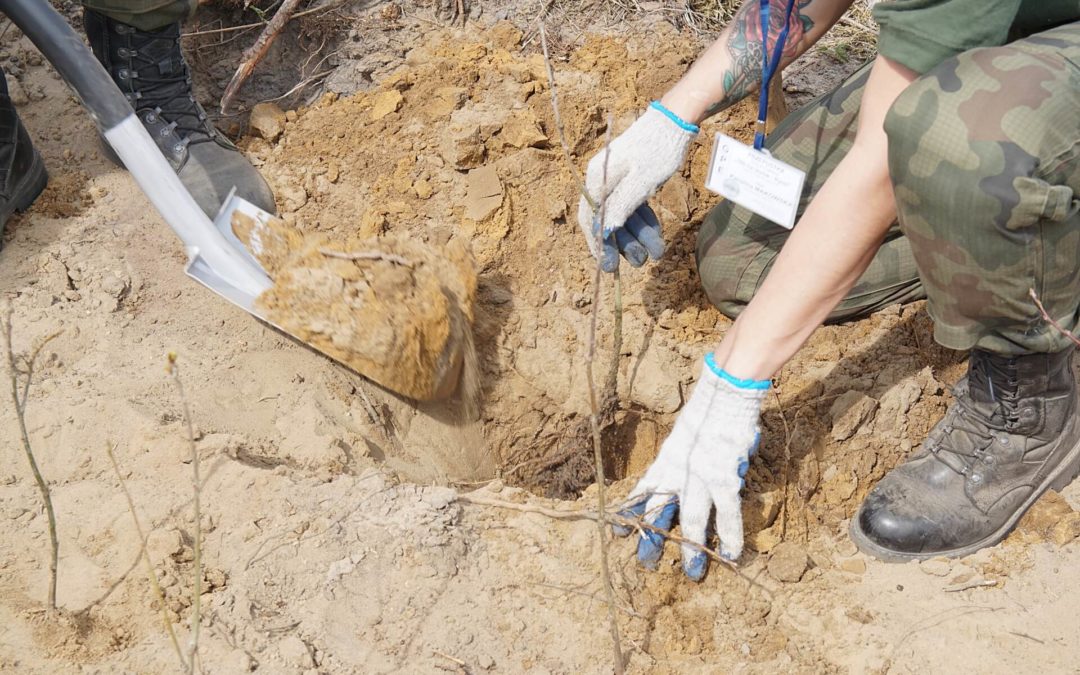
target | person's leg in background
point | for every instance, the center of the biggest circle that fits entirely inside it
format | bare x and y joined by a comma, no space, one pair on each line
138,42
22,173
984,153
736,248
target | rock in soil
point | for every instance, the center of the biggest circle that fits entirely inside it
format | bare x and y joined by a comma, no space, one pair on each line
851,411
267,120
788,562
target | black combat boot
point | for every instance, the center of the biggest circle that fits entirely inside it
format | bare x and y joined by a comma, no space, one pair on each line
22,173
1012,433
150,70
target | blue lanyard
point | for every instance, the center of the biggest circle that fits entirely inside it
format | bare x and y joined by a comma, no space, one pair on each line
769,66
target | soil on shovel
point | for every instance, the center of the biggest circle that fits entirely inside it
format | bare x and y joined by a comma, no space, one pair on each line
393,309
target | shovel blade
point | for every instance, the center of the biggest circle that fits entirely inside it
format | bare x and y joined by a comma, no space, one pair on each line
244,279
198,269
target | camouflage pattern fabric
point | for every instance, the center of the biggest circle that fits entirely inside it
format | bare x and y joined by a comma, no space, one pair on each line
983,151
736,248
144,14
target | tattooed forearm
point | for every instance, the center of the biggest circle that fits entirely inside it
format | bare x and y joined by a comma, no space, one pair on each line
744,45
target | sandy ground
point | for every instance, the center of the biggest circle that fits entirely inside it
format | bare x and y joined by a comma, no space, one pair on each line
333,541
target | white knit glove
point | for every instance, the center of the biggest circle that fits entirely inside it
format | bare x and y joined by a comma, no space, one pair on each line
639,161
701,465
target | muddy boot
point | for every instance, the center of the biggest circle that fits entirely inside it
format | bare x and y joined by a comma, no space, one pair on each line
1012,432
150,70
22,173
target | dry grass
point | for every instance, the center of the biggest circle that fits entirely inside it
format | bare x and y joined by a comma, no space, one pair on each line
853,38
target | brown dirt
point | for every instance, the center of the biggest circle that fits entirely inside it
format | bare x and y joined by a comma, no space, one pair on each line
393,309
479,164
329,547
474,105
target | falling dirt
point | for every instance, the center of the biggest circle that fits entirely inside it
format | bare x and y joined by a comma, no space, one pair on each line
393,309
333,543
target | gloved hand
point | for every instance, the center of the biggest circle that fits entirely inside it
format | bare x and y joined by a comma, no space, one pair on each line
702,464
639,161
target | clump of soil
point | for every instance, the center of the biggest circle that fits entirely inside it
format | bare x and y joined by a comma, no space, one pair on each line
395,310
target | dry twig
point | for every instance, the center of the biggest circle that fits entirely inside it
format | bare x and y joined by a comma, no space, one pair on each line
368,255
594,401
19,399
150,574
788,436
257,51
981,583
561,131
594,421
608,519
321,9
1053,322
173,369
461,666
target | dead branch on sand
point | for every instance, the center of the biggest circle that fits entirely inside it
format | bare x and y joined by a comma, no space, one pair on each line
608,518
19,396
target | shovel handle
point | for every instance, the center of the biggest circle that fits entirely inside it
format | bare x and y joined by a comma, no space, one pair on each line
67,52
240,277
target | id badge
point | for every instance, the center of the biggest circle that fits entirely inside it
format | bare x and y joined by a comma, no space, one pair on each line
755,180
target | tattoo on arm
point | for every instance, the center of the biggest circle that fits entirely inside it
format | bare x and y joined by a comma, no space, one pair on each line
744,45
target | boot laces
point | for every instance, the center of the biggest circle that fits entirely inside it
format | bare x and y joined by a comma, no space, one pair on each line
968,430
168,94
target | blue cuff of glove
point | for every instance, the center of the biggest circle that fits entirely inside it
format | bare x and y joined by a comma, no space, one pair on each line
739,382
680,122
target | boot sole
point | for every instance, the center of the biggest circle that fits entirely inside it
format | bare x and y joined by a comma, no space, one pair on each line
1066,471
29,188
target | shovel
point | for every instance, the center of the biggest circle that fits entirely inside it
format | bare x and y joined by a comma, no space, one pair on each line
216,258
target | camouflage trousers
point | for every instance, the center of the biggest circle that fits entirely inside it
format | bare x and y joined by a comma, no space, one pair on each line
144,14
984,154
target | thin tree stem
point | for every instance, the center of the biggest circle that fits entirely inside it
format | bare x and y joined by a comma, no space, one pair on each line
146,559
603,532
196,600
20,413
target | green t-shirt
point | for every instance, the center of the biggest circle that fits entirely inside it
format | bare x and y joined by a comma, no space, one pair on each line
920,34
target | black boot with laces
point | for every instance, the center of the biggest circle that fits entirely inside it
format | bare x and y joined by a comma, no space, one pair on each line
150,69
1012,433
22,173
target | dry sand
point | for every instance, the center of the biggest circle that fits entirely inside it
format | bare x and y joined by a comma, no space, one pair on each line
333,541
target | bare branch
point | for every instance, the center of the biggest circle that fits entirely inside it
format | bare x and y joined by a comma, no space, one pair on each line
558,120
196,601
1053,322
150,574
608,519
257,51
598,455
368,255
19,401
